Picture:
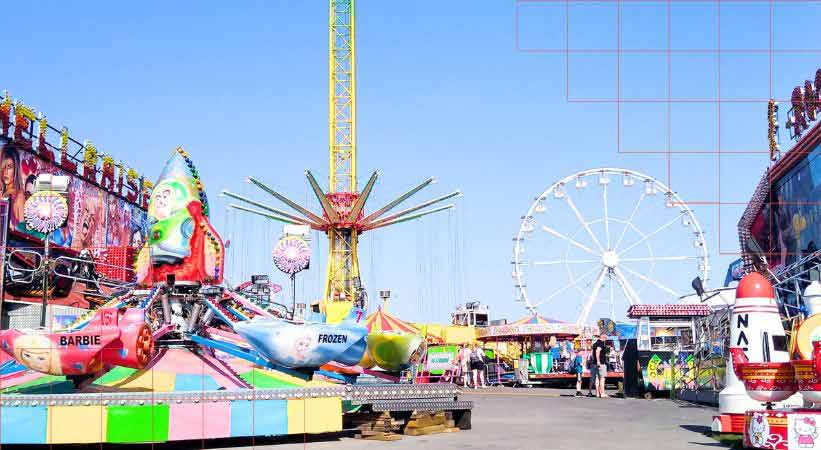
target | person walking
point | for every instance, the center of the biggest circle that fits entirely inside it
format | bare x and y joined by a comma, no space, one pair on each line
591,367
600,351
477,367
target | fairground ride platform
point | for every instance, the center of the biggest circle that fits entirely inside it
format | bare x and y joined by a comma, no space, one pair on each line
191,395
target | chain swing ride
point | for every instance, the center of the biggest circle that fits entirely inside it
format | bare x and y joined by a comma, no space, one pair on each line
342,218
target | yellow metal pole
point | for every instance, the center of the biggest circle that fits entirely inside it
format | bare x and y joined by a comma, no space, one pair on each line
353,105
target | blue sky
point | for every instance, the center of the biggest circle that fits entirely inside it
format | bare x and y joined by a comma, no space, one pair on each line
442,91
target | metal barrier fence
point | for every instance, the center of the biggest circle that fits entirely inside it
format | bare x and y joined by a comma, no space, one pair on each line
27,315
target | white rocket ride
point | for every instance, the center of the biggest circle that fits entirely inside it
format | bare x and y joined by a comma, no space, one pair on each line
755,326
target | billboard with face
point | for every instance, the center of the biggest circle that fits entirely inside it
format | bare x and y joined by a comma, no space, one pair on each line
788,226
97,218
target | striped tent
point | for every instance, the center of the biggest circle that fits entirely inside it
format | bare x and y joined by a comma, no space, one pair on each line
382,321
541,362
535,319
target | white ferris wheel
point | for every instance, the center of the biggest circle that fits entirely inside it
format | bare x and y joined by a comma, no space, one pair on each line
602,239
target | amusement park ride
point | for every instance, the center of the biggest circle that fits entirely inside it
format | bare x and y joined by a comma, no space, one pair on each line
343,218
180,356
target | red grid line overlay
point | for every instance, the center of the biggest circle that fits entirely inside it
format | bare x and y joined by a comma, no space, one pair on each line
669,99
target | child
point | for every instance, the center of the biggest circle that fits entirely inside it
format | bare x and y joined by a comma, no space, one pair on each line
578,369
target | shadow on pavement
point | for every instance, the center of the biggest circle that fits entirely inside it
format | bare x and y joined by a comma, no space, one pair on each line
707,431
700,429
199,444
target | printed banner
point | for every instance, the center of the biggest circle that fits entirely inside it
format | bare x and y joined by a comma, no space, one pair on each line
96,218
541,328
734,272
661,370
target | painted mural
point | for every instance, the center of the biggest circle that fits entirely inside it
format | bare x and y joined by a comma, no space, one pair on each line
663,371
96,218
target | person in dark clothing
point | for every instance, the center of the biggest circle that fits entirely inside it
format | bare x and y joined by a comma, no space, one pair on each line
600,351
631,369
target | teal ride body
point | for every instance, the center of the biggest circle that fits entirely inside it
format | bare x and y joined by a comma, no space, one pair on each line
309,344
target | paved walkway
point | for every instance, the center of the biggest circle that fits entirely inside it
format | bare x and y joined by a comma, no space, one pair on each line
512,419
520,419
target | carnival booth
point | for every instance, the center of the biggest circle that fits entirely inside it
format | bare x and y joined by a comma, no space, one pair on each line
441,359
664,335
539,348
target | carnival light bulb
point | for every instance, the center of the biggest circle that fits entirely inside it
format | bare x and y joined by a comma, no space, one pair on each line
45,210
292,254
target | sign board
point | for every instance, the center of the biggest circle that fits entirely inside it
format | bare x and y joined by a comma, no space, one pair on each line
531,329
441,358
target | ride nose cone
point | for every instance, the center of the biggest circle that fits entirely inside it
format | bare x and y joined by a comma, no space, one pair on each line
754,285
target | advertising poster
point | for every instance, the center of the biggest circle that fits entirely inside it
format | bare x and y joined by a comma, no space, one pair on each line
788,226
441,359
96,219
88,213
661,369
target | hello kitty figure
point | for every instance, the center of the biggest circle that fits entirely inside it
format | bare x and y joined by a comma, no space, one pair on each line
759,431
806,431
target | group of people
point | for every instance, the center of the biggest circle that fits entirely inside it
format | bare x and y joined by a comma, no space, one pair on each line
472,366
594,356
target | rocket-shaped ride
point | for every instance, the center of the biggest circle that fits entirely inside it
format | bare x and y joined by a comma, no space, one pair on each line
181,242
755,327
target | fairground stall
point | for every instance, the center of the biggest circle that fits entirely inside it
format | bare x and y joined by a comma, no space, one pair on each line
664,335
539,349
92,251
441,361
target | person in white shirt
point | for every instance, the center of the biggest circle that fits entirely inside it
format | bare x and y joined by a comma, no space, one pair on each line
464,365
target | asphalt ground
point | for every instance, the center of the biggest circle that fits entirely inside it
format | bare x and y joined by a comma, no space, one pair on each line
511,419
514,419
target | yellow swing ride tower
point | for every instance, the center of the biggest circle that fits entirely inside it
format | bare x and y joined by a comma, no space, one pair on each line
343,205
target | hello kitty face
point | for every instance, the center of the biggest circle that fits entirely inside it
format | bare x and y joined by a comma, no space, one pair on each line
806,426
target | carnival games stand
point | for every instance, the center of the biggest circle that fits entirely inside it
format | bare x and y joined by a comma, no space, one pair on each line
535,344
664,335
